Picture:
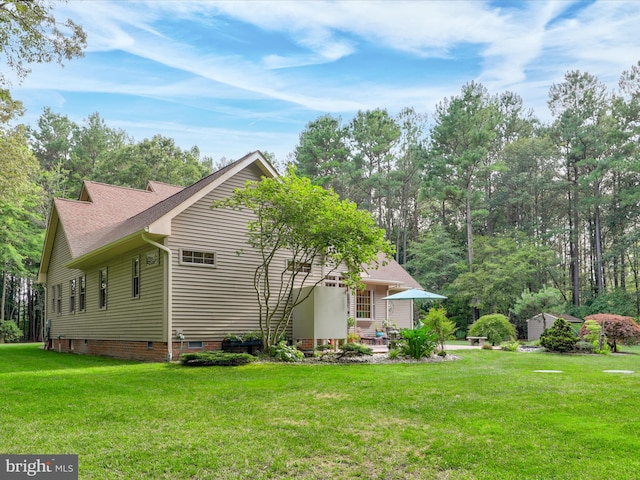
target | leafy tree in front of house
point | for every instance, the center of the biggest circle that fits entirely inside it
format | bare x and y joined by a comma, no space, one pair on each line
496,327
316,229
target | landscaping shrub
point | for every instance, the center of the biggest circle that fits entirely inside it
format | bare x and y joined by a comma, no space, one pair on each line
594,334
496,327
355,350
510,346
616,327
438,322
225,359
10,332
560,337
286,353
418,342
585,347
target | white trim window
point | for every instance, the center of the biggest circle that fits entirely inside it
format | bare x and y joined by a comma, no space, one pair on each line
72,295
364,304
135,276
102,288
200,258
82,293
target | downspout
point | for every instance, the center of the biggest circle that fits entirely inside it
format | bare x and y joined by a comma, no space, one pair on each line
169,303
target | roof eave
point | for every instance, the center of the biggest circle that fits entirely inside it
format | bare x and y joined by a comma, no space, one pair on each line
45,258
113,249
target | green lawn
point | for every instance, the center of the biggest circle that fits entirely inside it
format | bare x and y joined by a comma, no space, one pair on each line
486,416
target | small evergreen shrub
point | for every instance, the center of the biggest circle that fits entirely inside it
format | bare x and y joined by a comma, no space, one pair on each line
418,342
355,350
559,338
496,327
286,353
394,354
224,359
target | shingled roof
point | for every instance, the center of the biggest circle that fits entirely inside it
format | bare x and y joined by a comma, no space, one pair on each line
88,222
105,214
390,273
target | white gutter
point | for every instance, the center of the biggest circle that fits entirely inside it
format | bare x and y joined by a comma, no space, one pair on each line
169,303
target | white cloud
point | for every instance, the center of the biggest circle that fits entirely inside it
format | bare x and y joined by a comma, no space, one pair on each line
521,46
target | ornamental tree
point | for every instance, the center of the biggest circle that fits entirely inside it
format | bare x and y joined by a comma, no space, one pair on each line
436,319
617,328
496,327
314,228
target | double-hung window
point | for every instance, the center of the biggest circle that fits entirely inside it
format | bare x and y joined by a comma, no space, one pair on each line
364,304
135,277
72,295
82,293
102,288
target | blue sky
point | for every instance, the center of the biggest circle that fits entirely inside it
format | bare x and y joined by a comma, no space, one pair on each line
233,77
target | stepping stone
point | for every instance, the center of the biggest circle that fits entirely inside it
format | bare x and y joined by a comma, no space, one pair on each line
619,371
548,371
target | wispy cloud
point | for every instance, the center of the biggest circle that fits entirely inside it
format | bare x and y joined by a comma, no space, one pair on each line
291,61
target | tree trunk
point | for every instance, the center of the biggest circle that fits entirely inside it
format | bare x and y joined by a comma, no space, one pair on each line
4,295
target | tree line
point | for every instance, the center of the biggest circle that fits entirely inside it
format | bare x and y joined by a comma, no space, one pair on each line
493,207
483,202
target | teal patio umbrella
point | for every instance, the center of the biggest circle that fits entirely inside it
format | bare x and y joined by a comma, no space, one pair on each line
414,294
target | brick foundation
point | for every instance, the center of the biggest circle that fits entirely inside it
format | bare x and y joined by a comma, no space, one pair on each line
129,350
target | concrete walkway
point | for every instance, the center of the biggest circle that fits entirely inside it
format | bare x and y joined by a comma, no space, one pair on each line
385,349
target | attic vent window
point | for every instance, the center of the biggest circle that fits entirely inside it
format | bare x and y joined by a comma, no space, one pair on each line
195,257
304,267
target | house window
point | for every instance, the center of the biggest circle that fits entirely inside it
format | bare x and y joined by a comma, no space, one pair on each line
135,277
304,267
59,299
334,281
53,298
82,293
102,288
195,345
56,298
72,295
195,257
364,304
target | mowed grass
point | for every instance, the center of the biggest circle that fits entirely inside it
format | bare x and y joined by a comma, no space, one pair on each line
486,416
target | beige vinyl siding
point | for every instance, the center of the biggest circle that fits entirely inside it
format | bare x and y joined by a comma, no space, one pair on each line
210,302
125,318
401,314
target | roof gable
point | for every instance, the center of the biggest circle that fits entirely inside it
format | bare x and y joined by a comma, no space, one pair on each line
391,273
106,215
